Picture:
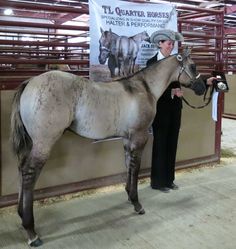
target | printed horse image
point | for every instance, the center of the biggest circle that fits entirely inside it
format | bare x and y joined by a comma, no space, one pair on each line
127,49
107,50
48,104
121,51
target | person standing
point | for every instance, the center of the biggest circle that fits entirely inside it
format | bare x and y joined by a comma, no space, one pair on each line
167,121
166,124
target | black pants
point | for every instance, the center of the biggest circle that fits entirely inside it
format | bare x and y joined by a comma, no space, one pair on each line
166,127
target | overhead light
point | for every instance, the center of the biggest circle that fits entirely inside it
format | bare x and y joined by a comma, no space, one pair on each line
8,12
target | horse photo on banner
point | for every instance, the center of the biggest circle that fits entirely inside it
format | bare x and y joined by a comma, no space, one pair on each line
120,35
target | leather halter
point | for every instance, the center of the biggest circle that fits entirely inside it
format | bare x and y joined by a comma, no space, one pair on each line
105,48
182,69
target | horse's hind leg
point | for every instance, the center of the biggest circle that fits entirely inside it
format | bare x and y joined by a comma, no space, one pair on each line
133,152
125,67
29,173
20,195
133,65
127,160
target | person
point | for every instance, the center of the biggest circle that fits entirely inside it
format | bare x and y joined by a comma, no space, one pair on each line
166,124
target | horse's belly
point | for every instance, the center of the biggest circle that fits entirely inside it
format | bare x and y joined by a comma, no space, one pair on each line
95,127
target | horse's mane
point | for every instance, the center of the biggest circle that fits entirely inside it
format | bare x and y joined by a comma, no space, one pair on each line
144,68
113,33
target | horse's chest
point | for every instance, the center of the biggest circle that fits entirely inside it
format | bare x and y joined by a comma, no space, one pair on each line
139,114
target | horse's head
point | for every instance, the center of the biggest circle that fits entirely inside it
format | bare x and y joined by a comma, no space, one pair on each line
188,74
104,45
145,36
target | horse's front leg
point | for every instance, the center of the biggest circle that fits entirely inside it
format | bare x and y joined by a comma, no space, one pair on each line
112,65
29,172
133,152
127,162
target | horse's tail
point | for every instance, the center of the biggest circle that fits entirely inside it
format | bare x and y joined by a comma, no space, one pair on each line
19,138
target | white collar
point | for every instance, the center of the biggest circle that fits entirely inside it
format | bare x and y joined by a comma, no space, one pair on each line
160,56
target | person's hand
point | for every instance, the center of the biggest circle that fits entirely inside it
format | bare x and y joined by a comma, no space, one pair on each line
210,80
177,92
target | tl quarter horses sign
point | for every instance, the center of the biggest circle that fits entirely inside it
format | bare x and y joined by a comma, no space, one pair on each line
119,35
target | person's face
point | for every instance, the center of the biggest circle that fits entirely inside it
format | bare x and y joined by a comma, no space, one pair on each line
166,47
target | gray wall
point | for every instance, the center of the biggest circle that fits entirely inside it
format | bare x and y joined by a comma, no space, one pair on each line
229,101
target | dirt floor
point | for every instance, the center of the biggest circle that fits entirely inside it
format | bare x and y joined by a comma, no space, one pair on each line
200,215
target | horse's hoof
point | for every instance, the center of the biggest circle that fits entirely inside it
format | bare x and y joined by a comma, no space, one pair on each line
36,242
140,211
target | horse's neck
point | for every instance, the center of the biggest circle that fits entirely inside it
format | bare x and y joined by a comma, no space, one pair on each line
114,38
113,43
160,75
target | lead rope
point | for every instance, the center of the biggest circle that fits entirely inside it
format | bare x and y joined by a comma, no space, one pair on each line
204,98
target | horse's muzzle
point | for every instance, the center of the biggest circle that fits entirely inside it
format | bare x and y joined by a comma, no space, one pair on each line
101,60
198,86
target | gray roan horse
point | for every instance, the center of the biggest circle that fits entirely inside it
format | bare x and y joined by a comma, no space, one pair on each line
48,104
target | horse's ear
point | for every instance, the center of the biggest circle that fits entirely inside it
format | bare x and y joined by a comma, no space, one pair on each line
101,30
187,51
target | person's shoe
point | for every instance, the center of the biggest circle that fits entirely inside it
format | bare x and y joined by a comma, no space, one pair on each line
173,186
162,189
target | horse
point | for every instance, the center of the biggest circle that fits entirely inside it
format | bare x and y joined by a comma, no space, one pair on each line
50,103
127,49
107,50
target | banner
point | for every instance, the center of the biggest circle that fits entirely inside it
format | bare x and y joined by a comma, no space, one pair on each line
119,35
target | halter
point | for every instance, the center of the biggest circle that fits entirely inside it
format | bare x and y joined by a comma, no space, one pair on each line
105,48
182,69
